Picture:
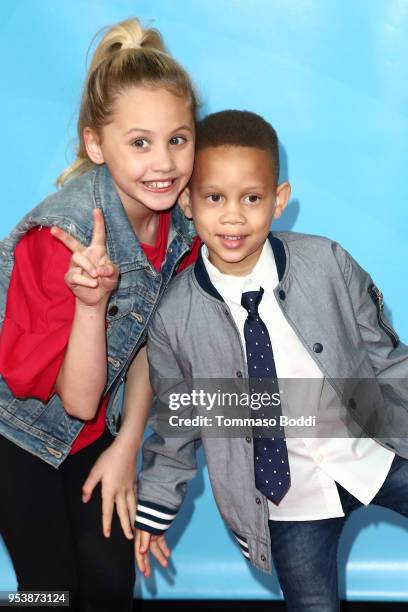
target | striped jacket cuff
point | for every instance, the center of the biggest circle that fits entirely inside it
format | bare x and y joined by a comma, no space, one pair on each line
243,545
153,518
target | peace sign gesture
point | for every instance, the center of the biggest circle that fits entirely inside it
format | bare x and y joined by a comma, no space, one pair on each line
91,275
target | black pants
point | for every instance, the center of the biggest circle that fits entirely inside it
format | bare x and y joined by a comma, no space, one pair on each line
56,541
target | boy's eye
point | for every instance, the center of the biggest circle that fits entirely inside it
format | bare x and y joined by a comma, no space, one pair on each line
178,140
140,143
252,198
214,197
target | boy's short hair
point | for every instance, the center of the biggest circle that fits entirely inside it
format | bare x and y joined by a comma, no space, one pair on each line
240,129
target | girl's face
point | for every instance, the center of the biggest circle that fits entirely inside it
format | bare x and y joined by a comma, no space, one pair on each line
148,147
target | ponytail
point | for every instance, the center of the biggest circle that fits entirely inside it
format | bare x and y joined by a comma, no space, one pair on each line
127,55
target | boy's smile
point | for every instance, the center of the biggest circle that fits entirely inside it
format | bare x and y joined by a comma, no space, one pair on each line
233,198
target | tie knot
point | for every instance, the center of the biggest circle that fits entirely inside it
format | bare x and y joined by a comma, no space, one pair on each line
250,300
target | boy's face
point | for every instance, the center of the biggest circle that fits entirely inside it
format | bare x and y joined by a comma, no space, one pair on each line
232,199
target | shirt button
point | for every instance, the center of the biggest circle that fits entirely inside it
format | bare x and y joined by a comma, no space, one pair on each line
258,501
239,374
248,439
282,294
113,310
352,403
263,558
317,347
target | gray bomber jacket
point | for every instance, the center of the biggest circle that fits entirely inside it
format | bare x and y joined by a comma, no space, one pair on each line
336,311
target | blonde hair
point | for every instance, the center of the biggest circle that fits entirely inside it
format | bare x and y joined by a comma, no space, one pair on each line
127,55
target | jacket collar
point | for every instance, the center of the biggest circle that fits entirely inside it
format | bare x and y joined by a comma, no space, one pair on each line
205,283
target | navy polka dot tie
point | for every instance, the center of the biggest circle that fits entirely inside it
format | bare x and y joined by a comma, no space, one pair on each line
272,474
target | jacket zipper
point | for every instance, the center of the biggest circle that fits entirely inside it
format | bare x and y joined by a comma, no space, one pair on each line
378,300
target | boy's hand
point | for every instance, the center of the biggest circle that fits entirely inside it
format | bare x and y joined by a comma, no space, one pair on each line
91,275
146,541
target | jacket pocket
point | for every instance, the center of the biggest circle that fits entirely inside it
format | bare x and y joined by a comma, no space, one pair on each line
378,300
243,544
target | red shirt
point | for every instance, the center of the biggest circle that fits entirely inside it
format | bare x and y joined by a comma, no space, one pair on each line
39,314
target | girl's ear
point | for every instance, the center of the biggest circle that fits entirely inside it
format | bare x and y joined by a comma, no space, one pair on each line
185,203
92,145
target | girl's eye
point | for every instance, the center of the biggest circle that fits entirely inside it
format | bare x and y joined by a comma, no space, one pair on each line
140,143
178,140
251,198
214,197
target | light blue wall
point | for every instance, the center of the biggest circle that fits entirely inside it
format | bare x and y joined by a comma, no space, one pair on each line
332,76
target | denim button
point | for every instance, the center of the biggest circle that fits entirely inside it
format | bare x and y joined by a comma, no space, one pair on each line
282,294
226,312
317,347
248,439
113,310
258,501
114,362
263,558
352,403
53,452
137,316
239,374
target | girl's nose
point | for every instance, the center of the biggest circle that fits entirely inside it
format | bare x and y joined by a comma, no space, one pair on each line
163,160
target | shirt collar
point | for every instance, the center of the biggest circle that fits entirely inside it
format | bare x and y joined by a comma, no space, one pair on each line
231,287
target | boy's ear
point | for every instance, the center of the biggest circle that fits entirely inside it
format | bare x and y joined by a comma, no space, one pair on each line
92,146
185,203
283,192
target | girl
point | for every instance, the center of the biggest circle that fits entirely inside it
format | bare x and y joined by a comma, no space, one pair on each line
69,339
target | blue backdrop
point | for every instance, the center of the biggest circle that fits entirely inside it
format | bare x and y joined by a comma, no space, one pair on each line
332,78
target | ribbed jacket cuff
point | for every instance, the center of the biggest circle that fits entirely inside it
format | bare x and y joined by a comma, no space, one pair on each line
243,545
153,518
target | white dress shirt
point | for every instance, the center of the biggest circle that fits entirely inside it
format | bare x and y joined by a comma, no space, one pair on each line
327,455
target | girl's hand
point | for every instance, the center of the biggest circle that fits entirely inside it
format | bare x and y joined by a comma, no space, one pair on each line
91,275
115,469
156,544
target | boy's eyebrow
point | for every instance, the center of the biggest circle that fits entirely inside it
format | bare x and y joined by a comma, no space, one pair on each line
215,187
136,129
254,187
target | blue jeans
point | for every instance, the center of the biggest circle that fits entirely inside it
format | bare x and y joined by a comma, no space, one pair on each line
305,552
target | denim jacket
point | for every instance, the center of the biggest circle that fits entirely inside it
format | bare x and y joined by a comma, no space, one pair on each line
336,312
45,429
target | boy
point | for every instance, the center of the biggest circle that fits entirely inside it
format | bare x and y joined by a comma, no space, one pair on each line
286,305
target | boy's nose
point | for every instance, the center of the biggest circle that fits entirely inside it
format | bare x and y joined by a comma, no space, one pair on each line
232,213
163,160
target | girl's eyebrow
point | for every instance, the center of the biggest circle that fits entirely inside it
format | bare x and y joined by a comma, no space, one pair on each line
183,127
136,129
